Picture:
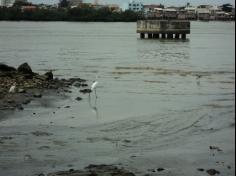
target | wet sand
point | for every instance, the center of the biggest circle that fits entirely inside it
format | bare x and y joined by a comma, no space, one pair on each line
48,137
34,143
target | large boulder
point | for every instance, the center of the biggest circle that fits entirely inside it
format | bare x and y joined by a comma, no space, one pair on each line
25,68
49,75
6,68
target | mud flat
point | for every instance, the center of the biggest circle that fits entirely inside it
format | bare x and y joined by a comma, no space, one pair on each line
137,146
40,141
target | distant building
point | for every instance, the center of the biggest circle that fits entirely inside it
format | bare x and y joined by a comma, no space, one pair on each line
7,3
29,8
203,12
182,14
170,13
222,16
75,2
191,13
151,8
114,8
98,6
153,11
157,13
136,6
204,6
233,11
213,12
232,14
20,0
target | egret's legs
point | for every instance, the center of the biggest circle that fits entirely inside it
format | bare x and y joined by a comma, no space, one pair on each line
95,93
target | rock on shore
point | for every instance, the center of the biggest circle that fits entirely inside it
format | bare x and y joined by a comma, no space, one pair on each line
29,85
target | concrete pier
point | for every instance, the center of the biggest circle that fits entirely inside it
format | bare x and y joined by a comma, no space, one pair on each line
169,29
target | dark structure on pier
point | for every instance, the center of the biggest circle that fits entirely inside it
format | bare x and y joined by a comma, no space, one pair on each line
169,29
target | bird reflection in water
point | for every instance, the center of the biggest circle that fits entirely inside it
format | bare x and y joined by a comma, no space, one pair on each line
93,105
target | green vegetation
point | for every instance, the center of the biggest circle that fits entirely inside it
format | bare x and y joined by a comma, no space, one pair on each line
84,13
227,7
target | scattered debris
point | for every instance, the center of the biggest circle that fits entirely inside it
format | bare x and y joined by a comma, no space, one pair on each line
37,95
41,133
84,91
95,170
212,172
160,169
27,157
79,99
215,148
201,170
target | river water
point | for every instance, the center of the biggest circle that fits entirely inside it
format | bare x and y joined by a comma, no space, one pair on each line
155,95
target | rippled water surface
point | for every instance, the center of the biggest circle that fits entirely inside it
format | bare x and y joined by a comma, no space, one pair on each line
150,91
136,77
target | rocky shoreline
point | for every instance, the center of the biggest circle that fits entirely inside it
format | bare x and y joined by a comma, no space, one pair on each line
30,85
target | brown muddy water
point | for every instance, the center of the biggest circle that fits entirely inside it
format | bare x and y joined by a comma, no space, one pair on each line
161,103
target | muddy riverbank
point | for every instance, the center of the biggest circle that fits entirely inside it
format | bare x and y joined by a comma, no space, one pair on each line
164,107
18,87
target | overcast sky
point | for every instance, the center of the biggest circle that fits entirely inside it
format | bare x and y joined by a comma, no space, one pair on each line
123,3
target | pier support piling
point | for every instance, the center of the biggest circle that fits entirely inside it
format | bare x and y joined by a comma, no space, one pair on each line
142,35
156,36
183,36
150,36
163,35
170,36
176,36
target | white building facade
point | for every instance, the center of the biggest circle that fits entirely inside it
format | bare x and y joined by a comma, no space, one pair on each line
9,3
75,2
136,6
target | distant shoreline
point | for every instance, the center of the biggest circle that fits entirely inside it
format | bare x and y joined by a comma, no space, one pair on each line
86,14
231,21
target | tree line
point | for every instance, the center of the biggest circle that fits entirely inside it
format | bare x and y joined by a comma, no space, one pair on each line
84,13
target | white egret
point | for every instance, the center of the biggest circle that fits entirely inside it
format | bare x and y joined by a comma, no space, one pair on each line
13,88
94,86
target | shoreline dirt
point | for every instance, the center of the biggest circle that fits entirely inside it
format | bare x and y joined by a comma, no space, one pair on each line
30,86
95,170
